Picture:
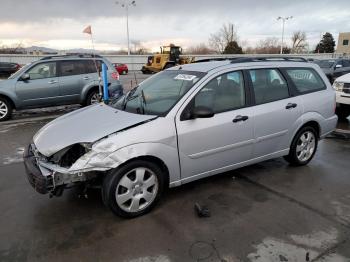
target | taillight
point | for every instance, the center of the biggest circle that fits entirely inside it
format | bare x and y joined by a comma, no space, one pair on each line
115,75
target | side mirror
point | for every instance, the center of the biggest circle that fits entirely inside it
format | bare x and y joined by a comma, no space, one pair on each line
338,66
202,112
25,77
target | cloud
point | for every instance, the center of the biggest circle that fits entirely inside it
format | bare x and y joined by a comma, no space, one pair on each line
153,22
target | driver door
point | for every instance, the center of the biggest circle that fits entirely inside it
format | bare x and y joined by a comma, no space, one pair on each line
42,87
212,145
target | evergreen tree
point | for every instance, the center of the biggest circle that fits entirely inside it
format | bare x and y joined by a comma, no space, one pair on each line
233,48
326,45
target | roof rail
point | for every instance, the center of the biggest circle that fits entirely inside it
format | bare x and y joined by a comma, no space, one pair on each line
267,58
79,55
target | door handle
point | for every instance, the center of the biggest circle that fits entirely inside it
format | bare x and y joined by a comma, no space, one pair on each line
240,118
291,105
52,82
86,77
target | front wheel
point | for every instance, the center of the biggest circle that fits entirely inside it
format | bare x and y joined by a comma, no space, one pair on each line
5,109
133,189
303,147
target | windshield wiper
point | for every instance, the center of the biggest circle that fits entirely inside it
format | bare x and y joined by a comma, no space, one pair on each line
129,96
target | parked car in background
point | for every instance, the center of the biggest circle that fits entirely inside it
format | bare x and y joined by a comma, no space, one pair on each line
342,90
121,68
56,80
7,69
182,124
334,68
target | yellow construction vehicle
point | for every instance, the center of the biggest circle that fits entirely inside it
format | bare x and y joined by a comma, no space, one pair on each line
169,56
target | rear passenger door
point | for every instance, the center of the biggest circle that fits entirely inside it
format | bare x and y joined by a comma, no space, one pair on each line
275,113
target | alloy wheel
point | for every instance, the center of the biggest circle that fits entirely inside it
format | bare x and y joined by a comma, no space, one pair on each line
3,109
306,146
137,189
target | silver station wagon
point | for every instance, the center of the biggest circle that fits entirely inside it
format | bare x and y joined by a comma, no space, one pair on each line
183,124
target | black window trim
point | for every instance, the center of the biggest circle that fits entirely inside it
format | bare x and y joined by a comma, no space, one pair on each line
251,86
247,94
296,92
44,62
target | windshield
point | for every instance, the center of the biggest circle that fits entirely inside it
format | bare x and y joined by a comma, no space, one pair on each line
325,63
159,93
19,72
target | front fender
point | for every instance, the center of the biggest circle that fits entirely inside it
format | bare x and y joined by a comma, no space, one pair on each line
104,157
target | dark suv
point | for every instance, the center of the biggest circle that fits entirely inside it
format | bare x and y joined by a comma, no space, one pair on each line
56,80
333,68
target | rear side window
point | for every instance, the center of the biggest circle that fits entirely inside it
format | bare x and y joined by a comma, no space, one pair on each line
306,80
269,85
79,67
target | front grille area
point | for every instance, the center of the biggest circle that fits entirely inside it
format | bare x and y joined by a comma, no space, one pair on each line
346,88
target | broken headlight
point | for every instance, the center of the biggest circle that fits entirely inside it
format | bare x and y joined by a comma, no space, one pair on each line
338,86
69,155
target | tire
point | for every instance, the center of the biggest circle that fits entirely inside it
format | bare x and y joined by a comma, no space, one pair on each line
129,195
304,143
343,111
124,72
91,97
6,109
168,66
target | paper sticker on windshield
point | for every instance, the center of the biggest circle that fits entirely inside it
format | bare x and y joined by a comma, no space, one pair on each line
184,77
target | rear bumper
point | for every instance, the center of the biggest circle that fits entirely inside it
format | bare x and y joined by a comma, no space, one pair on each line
42,184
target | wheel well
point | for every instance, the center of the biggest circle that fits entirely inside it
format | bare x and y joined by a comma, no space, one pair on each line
10,100
158,162
89,92
314,125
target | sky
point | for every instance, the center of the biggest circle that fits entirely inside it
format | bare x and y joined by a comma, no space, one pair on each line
59,24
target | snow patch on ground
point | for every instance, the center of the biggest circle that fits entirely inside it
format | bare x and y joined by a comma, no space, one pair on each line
15,158
300,248
159,258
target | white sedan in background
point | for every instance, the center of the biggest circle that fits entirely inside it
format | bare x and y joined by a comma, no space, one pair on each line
342,88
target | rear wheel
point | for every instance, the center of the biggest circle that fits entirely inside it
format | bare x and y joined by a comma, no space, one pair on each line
133,189
5,109
168,66
93,97
303,147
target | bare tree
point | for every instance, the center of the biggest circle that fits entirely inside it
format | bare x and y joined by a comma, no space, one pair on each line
16,48
299,43
219,40
269,45
200,49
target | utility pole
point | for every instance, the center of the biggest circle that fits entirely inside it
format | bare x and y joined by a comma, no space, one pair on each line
126,4
284,19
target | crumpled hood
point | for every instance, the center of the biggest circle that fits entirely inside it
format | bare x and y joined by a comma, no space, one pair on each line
85,125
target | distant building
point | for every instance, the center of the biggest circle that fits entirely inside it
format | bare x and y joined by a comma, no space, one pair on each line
343,46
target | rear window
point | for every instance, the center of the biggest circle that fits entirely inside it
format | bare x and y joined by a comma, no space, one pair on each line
306,80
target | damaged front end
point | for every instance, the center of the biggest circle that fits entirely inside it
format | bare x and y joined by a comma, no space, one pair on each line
51,174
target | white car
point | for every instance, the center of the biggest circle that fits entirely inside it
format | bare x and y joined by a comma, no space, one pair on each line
342,88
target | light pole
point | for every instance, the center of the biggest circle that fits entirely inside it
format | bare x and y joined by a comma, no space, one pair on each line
284,19
126,5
